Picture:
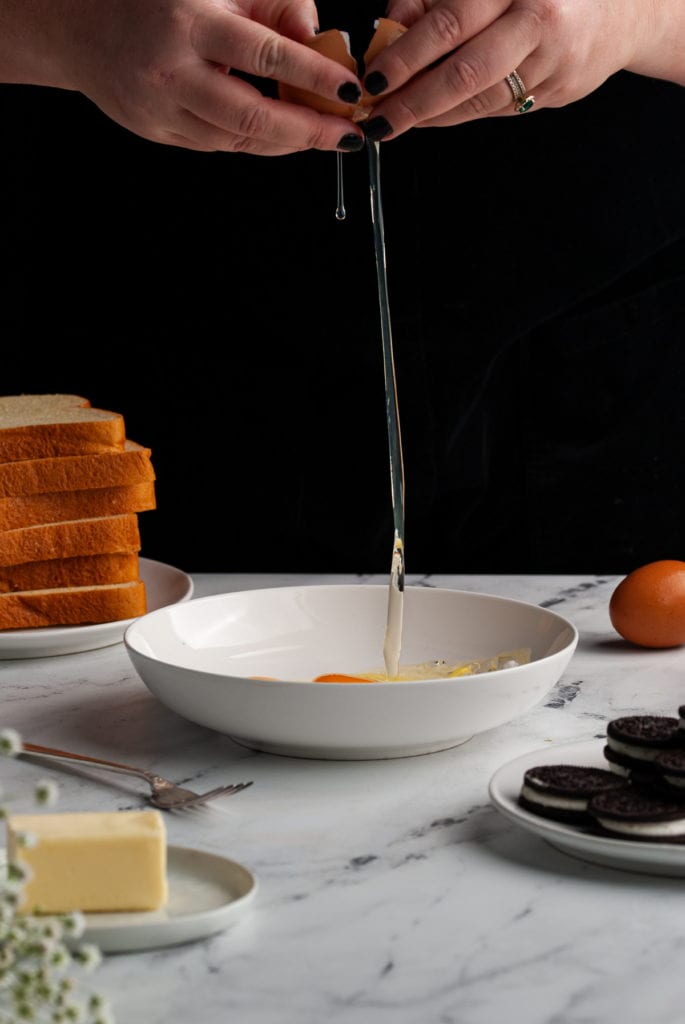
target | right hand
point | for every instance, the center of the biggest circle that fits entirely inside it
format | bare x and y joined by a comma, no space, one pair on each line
160,69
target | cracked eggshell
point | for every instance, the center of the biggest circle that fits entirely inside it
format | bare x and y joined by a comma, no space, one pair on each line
336,44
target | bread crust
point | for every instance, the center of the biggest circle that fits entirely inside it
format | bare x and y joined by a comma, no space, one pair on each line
79,571
58,506
74,537
30,609
44,426
120,468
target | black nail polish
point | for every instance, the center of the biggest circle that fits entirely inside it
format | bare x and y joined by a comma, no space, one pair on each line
376,83
351,143
376,129
349,92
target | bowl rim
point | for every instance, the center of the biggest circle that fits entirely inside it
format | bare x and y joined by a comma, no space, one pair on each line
402,683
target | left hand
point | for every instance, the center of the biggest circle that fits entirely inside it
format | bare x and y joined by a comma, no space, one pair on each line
562,49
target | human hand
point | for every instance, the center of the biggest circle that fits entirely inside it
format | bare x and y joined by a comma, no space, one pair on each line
161,70
562,51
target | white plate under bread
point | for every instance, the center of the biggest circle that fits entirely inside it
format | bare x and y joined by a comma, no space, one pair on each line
164,584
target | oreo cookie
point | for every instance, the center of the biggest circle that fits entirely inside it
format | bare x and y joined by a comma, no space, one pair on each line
670,768
631,813
635,741
681,723
562,791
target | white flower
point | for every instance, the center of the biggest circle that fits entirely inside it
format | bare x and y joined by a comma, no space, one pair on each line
46,792
18,872
100,1008
59,958
52,929
74,924
89,956
73,1012
26,840
10,742
104,1016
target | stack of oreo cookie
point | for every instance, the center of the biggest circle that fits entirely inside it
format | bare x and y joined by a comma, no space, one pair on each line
639,796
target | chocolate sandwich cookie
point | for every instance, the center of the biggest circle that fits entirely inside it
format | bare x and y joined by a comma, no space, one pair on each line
670,768
631,813
635,741
562,791
681,723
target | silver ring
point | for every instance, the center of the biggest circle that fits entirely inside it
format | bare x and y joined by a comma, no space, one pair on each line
523,101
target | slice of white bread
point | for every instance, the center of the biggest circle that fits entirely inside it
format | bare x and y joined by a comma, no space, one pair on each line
55,507
79,571
108,534
28,609
114,468
43,426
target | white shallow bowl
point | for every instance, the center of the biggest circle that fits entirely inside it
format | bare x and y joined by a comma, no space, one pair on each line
197,659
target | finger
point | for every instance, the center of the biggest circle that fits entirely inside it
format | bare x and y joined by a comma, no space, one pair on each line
237,42
297,19
498,100
169,138
406,11
481,63
235,106
211,139
438,33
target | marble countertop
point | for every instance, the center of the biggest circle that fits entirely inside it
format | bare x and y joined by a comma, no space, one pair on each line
390,892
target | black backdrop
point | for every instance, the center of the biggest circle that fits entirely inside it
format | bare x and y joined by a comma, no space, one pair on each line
537,272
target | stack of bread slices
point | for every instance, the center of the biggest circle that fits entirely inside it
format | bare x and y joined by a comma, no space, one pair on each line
71,488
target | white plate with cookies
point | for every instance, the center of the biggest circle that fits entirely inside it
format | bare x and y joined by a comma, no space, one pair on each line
654,858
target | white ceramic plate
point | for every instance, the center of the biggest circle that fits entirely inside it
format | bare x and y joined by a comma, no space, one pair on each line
206,893
164,585
197,658
629,855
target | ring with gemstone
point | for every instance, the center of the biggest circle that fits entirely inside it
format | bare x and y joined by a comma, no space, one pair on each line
523,102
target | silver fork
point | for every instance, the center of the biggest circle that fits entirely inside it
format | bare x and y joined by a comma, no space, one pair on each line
165,795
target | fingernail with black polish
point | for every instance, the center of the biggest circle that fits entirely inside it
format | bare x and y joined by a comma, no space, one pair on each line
376,129
349,92
376,83
351,143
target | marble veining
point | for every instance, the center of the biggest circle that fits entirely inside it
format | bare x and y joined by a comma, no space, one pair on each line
391,892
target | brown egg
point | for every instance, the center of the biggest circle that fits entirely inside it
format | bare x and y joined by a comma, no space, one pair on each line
387,31
335,44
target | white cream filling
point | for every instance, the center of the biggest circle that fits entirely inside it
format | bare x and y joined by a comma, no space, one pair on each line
639,753
618,769
676,780
644,828
562,803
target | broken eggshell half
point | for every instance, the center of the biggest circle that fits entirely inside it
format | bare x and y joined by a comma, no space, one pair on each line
336,44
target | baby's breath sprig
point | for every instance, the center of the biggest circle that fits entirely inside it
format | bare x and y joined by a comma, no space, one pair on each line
37,953
10,742
46,793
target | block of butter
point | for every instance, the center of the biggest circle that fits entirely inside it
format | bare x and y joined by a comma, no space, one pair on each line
91,861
